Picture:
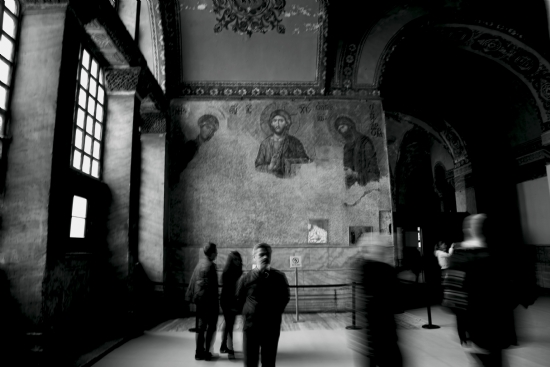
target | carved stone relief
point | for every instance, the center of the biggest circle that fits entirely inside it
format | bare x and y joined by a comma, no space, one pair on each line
118,80
249,16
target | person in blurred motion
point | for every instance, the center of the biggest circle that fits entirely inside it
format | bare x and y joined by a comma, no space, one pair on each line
476,289
231,273
377,303
442,255
203,292
262,294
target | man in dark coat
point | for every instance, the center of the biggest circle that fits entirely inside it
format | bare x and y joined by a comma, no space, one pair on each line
263,294
360,162
203,292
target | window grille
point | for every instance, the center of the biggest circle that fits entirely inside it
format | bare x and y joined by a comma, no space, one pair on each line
9,26
89,116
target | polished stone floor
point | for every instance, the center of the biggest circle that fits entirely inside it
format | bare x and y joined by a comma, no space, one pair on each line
322,340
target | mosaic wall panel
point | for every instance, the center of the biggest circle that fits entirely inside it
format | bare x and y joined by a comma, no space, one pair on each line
263,169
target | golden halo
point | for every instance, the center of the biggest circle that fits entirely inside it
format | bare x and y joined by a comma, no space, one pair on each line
335,134
283,105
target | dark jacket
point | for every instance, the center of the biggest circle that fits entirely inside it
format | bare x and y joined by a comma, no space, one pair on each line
486,313
203,286
376,305
228,299
262,298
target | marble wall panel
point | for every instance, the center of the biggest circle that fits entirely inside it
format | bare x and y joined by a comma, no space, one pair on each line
318,258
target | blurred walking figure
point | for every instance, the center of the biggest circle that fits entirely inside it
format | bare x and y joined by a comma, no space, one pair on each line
377,303
203,292
231,273
442,255
262,294
475,288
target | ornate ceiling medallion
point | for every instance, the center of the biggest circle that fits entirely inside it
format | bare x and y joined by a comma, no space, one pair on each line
249,16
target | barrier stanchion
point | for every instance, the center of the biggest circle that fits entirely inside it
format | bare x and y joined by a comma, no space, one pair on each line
353,325
296,296
429,325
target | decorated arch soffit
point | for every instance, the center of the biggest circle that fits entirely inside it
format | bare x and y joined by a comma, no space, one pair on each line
157,36
449,137
244,17
496,42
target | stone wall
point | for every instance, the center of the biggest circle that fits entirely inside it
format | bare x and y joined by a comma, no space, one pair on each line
24,209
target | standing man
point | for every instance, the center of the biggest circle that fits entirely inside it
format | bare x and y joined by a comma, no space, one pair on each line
360,163
280,150
203,292
262,294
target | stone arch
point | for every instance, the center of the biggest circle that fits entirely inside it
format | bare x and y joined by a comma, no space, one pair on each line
448,136
499,44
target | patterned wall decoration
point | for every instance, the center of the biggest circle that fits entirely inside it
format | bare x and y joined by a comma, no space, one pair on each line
157,38
168,33
105,44
122,79
456,145
249,16
343,83
225,192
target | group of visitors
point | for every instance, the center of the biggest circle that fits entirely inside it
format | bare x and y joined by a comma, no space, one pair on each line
260,295
473,288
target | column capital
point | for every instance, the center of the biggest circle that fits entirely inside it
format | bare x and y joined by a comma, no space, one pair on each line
153,120
122,79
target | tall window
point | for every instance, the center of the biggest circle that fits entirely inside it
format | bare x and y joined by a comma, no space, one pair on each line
9,24
88,117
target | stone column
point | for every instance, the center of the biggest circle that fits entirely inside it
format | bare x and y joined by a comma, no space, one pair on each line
464,189
121,173
545,136
152,191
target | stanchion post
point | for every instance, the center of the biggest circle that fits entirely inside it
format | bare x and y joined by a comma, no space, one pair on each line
296,295
353,326
429,325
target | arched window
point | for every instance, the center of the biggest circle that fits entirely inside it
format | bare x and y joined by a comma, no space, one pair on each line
9,24
89,116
